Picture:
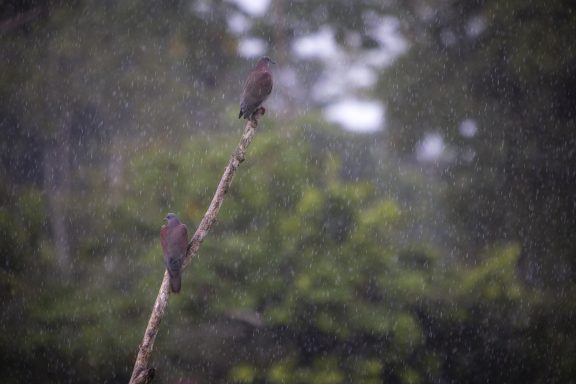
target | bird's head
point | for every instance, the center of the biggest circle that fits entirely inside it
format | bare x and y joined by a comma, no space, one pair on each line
265,61
171,219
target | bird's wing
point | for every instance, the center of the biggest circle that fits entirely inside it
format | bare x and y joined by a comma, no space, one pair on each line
182,237
258,85
267,83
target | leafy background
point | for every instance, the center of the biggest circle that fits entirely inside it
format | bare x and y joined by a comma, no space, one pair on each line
337,257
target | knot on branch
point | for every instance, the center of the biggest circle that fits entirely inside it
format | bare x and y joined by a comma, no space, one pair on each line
145,376
239,155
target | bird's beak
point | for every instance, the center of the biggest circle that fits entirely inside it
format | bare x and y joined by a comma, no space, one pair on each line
273,62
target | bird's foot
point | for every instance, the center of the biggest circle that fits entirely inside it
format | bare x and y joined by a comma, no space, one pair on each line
256,115
260,111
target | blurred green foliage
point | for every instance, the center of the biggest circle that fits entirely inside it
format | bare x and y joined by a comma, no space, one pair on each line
507,69
335,257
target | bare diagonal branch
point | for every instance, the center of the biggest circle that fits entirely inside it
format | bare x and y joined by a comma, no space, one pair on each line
142,372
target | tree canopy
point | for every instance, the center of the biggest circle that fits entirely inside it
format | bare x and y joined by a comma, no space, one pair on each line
337,257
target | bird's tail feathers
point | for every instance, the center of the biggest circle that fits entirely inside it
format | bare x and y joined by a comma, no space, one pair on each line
174,267
175,283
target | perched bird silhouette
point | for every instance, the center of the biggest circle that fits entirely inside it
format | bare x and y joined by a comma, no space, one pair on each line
257,88
174,240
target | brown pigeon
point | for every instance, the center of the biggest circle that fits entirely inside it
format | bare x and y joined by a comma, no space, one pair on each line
257,88
174,240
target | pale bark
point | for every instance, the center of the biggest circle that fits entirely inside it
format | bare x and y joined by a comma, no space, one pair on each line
143,372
